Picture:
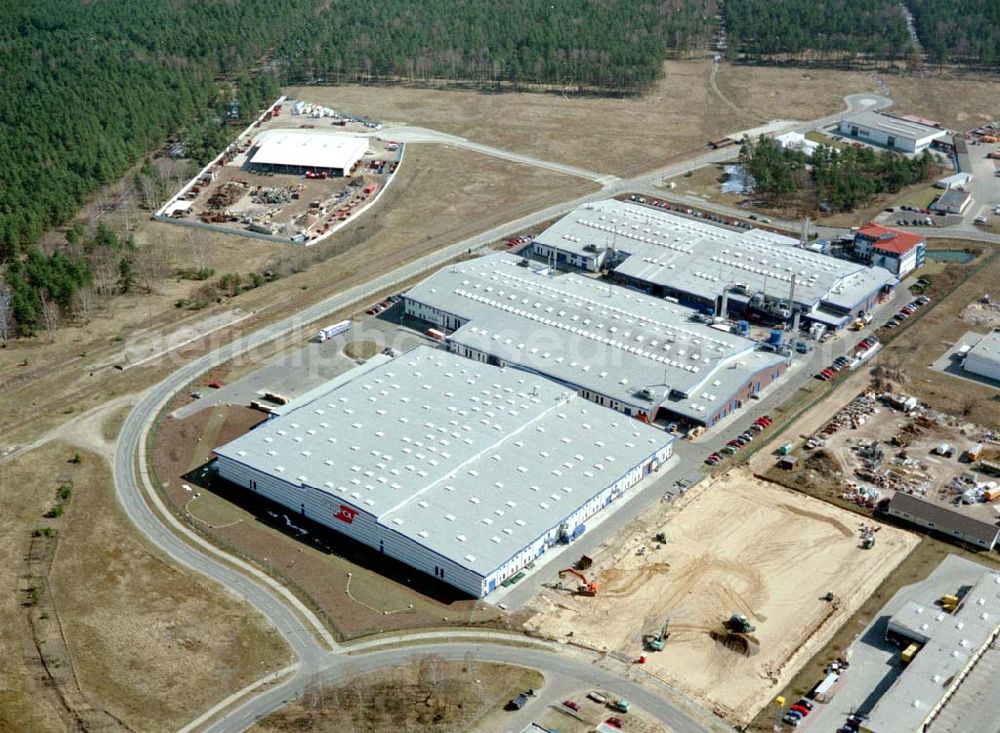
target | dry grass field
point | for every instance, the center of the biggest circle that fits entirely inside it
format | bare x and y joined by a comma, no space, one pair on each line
617,136
428,695
738,545
148,643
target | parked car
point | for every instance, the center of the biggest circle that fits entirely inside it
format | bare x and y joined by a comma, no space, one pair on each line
923,299
729,450
215,385
805,702
800,709
615,723
572,705
794,722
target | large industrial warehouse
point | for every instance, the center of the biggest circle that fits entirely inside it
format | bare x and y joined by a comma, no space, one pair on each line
647,357
298,152
948,646
755,272
464,471
895,133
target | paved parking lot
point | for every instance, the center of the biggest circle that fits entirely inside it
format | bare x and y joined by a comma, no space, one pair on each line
875,663
949,363
295,373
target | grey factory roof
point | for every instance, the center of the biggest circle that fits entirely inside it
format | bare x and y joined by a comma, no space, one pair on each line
630,227
945,520
988,347
703,259
951,198
894,125
472,461
608,339
949,641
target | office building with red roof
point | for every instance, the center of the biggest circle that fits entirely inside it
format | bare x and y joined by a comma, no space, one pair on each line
897,251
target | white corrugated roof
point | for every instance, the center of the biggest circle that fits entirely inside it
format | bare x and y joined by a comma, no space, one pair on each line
309,149
470,460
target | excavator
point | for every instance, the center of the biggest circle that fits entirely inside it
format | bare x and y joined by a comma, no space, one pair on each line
657,642
586,588
740,624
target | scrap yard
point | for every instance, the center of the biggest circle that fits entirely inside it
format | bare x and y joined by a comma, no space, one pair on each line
882,444
298,174
752,578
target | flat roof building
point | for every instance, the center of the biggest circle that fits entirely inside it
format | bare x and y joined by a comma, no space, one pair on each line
949,644
701,264
940,518
984,357
300,151
953,201
895,133
464,471
616,346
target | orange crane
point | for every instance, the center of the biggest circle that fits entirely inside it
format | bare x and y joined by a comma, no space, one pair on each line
586,588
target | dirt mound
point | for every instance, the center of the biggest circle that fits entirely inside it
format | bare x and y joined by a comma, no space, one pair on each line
742,644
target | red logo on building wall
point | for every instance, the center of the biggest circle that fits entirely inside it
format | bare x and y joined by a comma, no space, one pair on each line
346,514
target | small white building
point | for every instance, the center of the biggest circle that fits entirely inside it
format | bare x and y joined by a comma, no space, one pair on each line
797,141
886,131
983,359
957,180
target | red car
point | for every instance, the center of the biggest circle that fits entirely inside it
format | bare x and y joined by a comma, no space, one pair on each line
800,709
571,705
215,385
615,723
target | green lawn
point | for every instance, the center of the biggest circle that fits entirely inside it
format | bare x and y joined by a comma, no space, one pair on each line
821,137
921,197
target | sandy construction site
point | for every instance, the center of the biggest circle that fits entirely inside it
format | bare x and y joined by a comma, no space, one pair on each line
737,545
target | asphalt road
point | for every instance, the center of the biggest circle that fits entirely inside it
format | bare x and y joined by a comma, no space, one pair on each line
316,652
563,670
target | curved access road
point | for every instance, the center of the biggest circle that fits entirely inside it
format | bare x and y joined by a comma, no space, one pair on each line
316,651
578,673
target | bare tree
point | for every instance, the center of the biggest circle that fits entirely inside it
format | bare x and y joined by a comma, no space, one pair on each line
50,315
968,405
431,673
105,272
85,303
6,316
151,265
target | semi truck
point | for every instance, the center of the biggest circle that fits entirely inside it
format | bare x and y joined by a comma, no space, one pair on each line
330,331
